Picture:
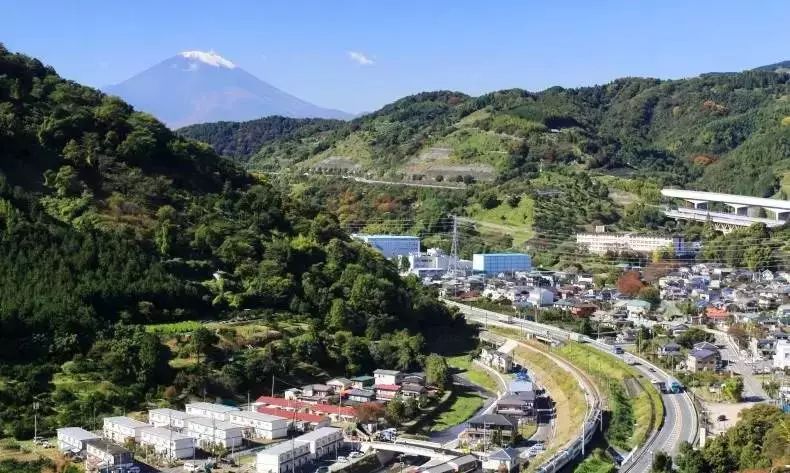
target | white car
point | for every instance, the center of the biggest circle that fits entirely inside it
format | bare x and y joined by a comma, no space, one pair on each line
342,460
355,454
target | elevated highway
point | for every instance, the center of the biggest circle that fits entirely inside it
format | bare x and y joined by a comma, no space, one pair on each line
743,208
681,420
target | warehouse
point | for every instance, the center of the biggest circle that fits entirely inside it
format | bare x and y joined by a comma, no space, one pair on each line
495,263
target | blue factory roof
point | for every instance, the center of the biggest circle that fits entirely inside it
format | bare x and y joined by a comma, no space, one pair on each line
501,254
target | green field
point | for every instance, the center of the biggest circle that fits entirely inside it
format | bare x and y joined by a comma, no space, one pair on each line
463,407
174,327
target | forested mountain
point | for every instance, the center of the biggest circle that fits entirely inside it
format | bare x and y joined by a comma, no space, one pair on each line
109,221
722,132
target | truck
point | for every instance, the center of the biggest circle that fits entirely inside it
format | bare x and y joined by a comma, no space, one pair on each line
659,385
674,386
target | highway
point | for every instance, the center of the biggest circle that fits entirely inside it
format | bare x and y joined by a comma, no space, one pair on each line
680,416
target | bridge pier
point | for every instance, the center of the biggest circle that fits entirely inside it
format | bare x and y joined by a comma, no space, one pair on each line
739,209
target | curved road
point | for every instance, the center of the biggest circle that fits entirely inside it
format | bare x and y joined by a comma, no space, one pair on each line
680,415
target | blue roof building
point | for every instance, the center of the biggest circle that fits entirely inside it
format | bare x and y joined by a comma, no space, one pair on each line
495,263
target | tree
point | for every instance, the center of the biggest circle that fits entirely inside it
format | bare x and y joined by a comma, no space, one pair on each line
733,388
690,460
692,336
629,283
662,463
395,412
436,370
202,341
650,294
369,412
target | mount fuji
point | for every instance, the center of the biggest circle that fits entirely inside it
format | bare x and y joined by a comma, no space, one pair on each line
202,86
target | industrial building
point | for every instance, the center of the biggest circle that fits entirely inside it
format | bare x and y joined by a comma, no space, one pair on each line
495,263
260,425
170,418
170,444
73,439
616,243
391,246
209,410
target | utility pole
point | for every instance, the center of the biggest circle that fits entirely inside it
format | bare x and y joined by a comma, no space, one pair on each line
35,420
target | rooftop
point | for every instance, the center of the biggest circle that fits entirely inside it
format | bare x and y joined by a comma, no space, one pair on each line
172,413
126,422
77,433
207,406
161,432
107,446
255,415
491,419
318,433
216,424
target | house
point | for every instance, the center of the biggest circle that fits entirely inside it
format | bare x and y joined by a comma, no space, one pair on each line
701,360
210,411
362,382
521,387
670,349
502,362
504,459
716,314
72,439
292,393
335,413
706,346
412,390
387,392
169,418
210,432
323,441
102,453
297,420
762,349
488,426
170,444
519,405
361,395
283,458
339,385
385,377
627,335
316,391
583,310
414,378
679,329
637,308
122,429
260,425
782,355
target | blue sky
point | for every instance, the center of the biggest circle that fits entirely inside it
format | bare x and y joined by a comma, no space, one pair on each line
303,47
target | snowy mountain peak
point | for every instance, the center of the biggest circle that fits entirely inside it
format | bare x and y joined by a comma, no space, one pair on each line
209,57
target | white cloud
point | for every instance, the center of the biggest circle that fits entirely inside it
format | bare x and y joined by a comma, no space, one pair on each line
360,58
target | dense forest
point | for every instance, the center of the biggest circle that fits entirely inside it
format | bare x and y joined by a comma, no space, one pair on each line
109,223
721,132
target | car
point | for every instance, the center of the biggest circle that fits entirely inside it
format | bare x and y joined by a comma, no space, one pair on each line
721,418
651,369
322,469
355,454
341,459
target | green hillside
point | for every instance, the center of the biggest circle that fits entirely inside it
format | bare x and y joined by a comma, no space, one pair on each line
721,132
109,222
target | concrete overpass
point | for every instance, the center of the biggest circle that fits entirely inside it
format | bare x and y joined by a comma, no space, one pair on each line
743,214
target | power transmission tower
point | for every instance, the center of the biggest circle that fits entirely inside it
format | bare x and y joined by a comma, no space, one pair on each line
452,267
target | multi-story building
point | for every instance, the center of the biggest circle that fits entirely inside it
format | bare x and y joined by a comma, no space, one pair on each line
782,355
72,439
391,246
168,443
323,441
260,425
101,455
212,432
283,457
616,243
169,418
495,263
122,429
387,377
210,411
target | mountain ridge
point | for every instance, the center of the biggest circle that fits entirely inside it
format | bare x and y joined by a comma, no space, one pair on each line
199,86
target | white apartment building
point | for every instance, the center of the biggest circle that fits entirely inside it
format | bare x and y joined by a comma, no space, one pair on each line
101,454
72,439
168,443
169,418
260,425
209,432
322,441
120,429
283,457
210,411
602,243
782,355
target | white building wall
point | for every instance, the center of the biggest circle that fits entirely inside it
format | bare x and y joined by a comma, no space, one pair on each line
782,355
168,443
